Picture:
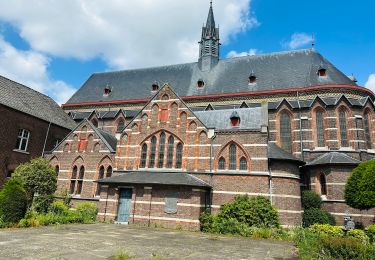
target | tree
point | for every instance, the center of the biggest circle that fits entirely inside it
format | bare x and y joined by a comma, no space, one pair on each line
360,187
38,177
13,201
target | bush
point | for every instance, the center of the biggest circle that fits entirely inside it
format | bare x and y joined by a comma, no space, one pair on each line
256,211
317,216
358,234
371,233
87,211
326,230
59,208
41,203
13,201
360,187
310,199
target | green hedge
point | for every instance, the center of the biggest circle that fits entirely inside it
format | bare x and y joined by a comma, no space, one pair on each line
317,216
371,233
310,199
13,202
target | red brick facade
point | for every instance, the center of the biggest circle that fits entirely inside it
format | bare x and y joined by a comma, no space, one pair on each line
11,123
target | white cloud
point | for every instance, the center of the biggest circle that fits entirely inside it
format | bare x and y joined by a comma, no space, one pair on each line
124,33
30,68
370,84
297,40
233,54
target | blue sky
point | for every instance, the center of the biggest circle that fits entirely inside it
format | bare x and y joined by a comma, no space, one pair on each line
55,47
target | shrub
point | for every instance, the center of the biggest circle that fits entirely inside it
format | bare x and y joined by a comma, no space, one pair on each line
326,230
206,221
41,203
59,208
360,187
38,177
13,202
371,233
256,211
310,199
87,211
358,234
317,216
345,248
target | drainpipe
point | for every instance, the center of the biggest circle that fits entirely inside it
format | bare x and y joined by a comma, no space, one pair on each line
211,171
270,179
106,202
45,140
300,128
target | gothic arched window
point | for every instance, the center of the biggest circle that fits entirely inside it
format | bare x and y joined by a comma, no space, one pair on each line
120,125
285,132
320,129
170,152
151,162
179,156
109,172
366,123
161,150
343,131
73,179
232,157
221,163
101,176
143,156
323,185
80,179
243,164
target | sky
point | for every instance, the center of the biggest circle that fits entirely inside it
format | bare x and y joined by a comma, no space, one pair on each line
54,46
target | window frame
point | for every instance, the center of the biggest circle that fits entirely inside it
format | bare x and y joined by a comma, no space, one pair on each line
143,160
319,123
232,157
170,151
21,138
179,151
151,161
286,132
344,140
367,127
73,180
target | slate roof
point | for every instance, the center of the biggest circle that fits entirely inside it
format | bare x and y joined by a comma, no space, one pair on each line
276,153
333,158
163,178
31,102
250,118
274,71
107,138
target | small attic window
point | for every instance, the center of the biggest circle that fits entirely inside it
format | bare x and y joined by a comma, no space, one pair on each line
155,86
252,79
235,119
322,72
107,90
200,83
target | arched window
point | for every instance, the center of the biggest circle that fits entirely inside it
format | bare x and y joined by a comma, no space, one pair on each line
73,179
109,172
80,179
143,156
66,147
95,122
170,152
101,176
57,170
161,150
151,162
320,129
243,164
232,157
285,132
179,156
221,163
366,123
120,125
323,185
343,131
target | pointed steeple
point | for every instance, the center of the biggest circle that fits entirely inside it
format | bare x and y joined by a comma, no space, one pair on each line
209,46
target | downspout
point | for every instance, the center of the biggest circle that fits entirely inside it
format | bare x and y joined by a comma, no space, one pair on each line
106,203
149,211
300,128
211,172
270,179
45,140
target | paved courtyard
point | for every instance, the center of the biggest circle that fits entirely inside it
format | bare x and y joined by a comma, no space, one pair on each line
100,241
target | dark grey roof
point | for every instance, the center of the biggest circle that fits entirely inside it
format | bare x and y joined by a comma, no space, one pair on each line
251,118
333,158
162,178
276,153
31,102
131,113
77,116
282,70
108,138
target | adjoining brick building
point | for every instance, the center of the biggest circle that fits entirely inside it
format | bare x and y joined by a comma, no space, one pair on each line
267,124
31,123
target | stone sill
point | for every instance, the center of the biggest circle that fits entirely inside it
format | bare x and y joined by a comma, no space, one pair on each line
20,151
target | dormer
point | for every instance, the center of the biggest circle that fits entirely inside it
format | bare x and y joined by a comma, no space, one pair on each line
107,90
235,119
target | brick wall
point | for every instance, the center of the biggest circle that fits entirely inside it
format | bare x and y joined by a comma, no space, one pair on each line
11,122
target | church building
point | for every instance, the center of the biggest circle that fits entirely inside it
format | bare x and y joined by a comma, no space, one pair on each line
162,145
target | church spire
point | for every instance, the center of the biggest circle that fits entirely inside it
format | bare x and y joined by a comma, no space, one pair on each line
209,46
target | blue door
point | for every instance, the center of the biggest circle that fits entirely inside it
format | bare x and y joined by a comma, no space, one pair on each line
124,205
